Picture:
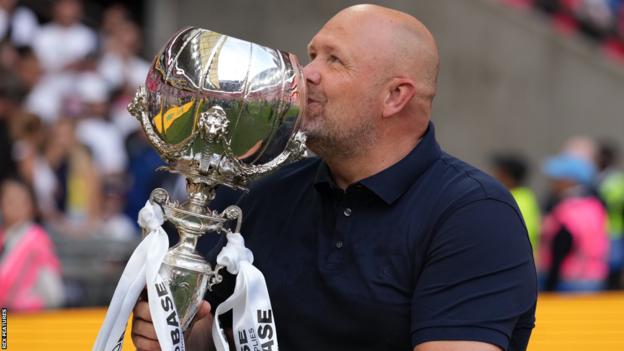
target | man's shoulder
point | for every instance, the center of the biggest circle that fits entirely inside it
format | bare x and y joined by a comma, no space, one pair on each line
461,183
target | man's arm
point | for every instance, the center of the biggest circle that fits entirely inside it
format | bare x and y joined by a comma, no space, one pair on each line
479,283
456,346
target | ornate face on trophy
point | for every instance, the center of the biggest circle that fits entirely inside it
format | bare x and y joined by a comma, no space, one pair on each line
219,110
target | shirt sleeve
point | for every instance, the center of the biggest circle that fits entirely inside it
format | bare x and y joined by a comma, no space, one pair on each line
478,280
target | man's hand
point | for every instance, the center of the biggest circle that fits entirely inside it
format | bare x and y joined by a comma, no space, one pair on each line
143,332
456,346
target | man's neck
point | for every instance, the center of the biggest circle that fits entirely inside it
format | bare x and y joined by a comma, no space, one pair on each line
347,171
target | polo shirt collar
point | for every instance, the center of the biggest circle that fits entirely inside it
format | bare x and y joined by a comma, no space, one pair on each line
395,180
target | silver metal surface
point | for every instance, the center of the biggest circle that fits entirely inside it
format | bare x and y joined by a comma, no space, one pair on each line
221,110
218,110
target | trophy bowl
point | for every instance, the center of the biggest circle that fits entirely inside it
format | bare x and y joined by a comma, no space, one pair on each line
221,110
218,110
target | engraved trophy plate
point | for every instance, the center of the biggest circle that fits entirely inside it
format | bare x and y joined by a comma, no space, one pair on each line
218,110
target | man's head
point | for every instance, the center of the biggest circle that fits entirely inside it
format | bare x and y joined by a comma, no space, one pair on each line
510,169
568,171
67,12
372,77
17,202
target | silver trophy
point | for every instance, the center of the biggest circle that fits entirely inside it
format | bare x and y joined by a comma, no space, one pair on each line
219,110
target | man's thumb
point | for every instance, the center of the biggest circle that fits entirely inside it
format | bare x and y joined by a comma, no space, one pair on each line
203,311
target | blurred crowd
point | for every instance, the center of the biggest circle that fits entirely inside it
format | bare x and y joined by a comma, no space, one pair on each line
576,227
601,21
73,162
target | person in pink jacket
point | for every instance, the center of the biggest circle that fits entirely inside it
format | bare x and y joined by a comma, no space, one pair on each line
574,243
30,273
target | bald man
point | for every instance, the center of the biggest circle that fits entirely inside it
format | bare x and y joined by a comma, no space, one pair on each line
383,242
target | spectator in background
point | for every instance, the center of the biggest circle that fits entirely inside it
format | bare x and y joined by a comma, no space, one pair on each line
94,128
30,277
598,20
597,17
11,95
122,68
113,16
18,27
47,92
511,170
115,224
63,47
574,243
62,43
28,68
611,190
582,147
120,63
78,197
18,24
28,134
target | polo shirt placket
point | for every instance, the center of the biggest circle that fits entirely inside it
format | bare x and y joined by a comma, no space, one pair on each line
335,244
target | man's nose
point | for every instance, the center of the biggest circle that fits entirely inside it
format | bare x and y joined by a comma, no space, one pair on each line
311,73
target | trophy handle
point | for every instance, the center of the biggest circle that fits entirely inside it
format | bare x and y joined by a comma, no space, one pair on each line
138,109
233,212
295,150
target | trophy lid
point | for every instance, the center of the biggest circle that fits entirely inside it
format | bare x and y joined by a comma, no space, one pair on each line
221,110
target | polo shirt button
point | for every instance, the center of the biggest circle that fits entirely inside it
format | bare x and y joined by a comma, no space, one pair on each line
339,244
347,212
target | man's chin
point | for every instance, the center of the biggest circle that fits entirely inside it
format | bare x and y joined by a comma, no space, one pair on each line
319,146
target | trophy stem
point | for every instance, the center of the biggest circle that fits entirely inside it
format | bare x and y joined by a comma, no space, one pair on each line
187,273
200,195
188,241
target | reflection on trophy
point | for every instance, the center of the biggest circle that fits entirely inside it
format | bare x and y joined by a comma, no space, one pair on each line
214,107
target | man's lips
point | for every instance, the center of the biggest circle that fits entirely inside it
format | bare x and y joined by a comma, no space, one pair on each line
314,102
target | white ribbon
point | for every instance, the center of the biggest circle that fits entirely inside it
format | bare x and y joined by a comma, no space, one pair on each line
142,270
253,319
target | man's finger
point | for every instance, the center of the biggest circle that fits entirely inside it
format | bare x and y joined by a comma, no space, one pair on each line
203,310
145,344
144,329
141,311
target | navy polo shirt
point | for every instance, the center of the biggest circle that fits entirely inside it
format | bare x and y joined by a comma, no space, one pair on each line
429,249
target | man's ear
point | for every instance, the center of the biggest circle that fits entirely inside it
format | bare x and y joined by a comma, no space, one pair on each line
400,92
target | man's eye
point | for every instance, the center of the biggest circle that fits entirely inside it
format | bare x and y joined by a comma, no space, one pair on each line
333,59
